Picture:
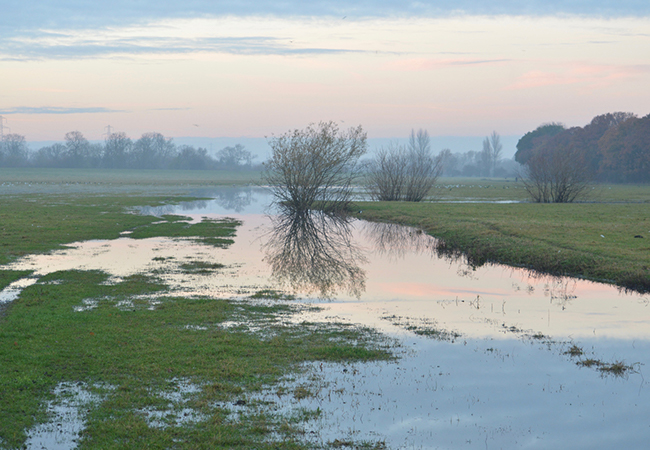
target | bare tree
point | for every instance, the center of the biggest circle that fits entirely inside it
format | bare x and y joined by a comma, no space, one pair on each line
152,151
236,156
117,150
491,153
387,173
556,175
13,150
319,163
77,149
408,174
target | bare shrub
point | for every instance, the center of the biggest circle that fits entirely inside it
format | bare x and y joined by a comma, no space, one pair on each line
556,176
318,163
404,173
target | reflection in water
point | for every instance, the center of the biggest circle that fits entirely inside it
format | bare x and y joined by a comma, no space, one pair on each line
396,241
227,199
313,253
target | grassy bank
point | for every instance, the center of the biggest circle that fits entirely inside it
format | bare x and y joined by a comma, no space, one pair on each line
590,240
464,189
155,371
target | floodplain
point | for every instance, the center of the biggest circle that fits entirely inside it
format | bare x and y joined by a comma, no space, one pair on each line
174,317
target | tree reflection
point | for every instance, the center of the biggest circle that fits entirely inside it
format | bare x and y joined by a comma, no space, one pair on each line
313,253
396,241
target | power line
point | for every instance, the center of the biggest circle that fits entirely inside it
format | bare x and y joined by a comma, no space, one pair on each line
109,131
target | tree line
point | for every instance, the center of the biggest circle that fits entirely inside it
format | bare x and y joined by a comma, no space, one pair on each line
613,147
150,151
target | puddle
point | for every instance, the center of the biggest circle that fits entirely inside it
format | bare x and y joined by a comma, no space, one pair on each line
176,411
483,361
67,419
12,291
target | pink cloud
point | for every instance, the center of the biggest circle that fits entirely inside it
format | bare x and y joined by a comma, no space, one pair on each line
588,75
420,64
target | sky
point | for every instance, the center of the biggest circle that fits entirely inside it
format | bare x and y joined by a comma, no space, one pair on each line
250,69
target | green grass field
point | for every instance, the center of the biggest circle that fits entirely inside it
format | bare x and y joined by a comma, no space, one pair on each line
595,241
28,180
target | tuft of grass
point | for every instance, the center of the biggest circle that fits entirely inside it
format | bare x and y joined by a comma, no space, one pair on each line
272,294
574,351
201,267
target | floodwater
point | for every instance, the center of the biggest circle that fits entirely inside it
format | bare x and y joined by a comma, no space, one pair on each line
484,355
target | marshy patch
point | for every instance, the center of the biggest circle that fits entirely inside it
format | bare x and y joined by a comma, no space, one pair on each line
423,327
201,267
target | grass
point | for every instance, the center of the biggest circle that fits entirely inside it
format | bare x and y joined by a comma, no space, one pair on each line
128,177
137,351
131,354
493,189
595,241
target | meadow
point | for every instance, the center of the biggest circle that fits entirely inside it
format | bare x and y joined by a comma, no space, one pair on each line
128,360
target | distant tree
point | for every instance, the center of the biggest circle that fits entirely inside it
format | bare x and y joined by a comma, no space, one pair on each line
13,151
117,150
236,156
152,151
191,158
536,138
51,156
556,175
319,163
626,151
77,149
423,169
406,174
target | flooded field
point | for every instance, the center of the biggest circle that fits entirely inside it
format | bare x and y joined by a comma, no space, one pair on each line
489,357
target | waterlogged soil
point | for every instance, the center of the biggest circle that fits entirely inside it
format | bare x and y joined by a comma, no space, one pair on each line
489,357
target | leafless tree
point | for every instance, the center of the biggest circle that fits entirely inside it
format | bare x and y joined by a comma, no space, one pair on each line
116,150
13,150
235,157
556,175
401,173
319,163
491,153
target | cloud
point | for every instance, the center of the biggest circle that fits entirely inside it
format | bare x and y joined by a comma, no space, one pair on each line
56,110
71,46
420,64
589,75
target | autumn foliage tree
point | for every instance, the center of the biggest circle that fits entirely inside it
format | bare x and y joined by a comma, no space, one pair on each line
559,163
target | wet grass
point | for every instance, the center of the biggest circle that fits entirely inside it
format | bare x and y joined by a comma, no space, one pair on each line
272,294
201,267
134,343
38,223
595,241
209,231
137,350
